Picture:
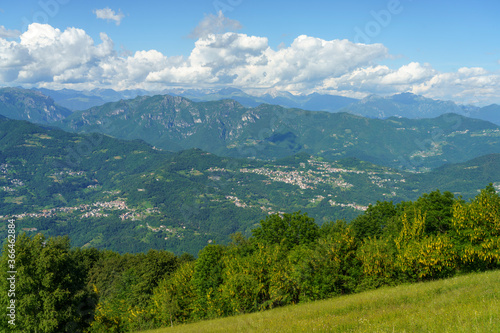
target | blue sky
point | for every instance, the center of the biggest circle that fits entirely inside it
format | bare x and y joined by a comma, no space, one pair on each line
439,49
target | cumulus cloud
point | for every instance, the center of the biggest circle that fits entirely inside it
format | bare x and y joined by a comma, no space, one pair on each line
109,14
6,33
381,79
468,85
248,61
46,56
214,24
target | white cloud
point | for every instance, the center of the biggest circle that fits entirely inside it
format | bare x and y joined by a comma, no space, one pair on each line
12,60
248,61
6,33
409,74
109,14
381,79
467,85
214,24
310,60
46,56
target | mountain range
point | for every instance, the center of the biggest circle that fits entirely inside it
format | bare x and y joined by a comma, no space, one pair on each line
412,106
24,104
167,172
81,100
129,196
405,105
271,132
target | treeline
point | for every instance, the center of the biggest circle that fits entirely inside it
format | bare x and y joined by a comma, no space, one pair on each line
289,259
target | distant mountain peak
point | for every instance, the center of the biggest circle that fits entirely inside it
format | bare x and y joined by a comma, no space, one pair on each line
229,91
31,105
274,93
407,97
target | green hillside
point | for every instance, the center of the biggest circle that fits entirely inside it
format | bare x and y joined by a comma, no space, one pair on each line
289,259
130,197
271,132
31,105
466,303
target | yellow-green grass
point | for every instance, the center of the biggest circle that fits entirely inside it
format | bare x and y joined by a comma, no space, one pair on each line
469,303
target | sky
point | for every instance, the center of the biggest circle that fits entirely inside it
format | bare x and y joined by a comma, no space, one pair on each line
448,50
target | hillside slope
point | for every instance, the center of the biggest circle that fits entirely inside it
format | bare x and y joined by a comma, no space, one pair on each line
269,132
128,196
23,104
467,303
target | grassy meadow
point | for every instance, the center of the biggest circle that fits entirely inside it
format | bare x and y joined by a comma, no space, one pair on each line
468,303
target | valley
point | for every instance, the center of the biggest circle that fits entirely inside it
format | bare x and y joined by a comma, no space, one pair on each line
174,163
165,172
130,196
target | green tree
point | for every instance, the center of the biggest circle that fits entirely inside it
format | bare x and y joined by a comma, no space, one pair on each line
377,256
288,230
420,256
374,222
173,299
207,278
438,209
328,267
51,293
152,268
241,288
125,285
476,229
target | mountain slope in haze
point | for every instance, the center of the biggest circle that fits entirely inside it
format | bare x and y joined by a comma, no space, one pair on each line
312,102
489,113
413,106
24,104
320,102
82,100
268,132
405,105
461,178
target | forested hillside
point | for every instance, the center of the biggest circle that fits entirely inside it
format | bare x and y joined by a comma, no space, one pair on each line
269,132
24,104
130,197
289,259
165,163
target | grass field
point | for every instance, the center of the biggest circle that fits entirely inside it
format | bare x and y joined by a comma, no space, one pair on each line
469,303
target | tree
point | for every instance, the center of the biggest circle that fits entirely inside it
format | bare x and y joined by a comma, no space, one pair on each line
328,267
476,227
288,231
377,259
438,208
207,278
125,285
375,220
420,256
173,299
51,293
152,268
